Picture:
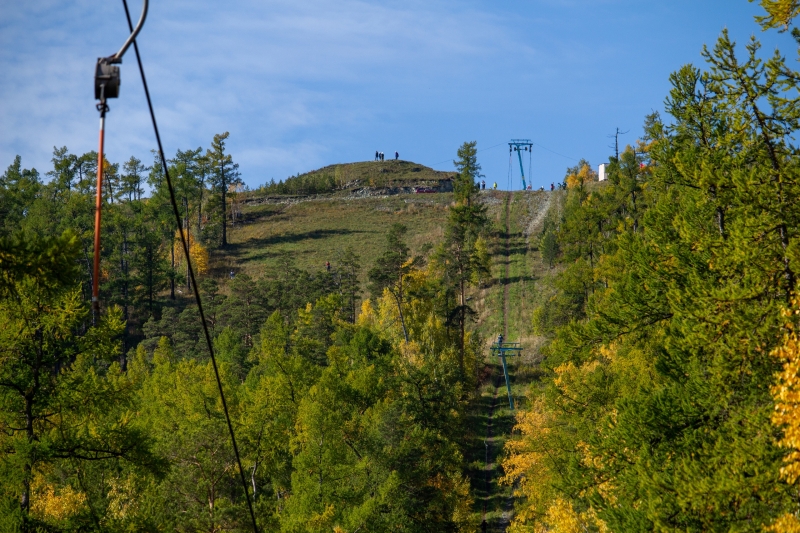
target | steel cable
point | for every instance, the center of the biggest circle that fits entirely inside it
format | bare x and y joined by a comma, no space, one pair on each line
185,246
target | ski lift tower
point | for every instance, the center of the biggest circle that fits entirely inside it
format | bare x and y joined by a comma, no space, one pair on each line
519,146
504,349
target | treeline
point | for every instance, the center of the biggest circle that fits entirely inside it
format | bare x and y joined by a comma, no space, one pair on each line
350,413
303,184
670,396
141,262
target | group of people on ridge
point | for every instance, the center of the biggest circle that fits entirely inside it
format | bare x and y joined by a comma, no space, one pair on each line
379,156
482,186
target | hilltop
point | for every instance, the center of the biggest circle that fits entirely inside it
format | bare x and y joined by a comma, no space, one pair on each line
316,215
344,178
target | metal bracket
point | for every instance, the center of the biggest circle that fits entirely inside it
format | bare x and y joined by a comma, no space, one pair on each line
106,74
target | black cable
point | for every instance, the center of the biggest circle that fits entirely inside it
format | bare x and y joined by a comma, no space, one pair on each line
553,151
191,273
479,151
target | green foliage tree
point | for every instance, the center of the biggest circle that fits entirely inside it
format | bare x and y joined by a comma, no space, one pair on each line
20,188
391,268
657,414
59,399
548,245
224,173
131,180
469,170
462,261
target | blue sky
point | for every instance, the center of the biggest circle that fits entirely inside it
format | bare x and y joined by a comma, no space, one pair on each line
303,84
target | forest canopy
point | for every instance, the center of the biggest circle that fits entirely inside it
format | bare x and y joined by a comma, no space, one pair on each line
670,401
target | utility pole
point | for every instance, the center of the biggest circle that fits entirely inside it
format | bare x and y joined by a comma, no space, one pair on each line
616,142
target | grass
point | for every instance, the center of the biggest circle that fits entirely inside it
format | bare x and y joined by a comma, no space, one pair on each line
316,231
529,284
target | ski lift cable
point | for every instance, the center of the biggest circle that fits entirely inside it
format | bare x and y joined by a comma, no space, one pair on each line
530,162
553,151
185,246
479,151
510,170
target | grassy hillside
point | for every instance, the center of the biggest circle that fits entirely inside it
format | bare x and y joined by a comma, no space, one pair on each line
316,231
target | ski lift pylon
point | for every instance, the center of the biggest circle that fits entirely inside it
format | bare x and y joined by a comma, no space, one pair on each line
517,145
503,349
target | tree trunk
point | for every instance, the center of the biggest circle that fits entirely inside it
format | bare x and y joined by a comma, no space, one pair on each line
224,218
188,244
200,211
124,268
25,498
462,320
172,274
30,394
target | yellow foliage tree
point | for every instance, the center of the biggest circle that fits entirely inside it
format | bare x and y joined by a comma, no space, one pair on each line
528,465
54,504
583,176
779,13
197,252
786,393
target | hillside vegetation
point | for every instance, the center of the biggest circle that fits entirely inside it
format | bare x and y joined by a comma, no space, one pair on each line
355,176
347,341
668,390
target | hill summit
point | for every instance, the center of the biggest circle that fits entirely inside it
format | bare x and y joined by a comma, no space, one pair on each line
352,177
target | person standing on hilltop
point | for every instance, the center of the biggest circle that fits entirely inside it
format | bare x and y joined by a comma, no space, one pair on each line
396,155
376,155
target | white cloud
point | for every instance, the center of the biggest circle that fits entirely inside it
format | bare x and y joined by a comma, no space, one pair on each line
267,69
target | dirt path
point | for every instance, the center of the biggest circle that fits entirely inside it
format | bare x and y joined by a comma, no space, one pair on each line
508,265
535,224
509,503
498,385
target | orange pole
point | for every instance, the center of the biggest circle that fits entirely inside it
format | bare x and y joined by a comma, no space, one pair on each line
97,214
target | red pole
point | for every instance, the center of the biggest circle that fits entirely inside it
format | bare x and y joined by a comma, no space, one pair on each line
97,214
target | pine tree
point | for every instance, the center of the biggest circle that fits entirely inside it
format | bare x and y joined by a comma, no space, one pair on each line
660,397
19,188
469,170
391,268
224,174
133,170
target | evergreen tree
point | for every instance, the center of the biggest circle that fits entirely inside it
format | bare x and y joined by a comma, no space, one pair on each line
549,247
348,270
224,174
131,180
58,398
391,268
18,189
469,170
658,412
